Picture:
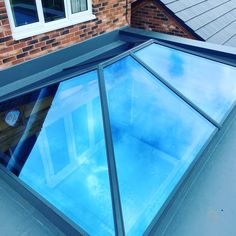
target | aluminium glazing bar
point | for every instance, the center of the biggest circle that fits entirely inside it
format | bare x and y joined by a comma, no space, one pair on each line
178,93
114,186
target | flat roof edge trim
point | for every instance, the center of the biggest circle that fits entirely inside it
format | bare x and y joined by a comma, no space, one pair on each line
180,40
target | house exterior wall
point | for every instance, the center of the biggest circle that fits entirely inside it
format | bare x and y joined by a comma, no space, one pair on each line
110,15
150,15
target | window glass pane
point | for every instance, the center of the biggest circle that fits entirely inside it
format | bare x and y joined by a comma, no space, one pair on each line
24,12
78,6
53,140
156,137
210,85
53,10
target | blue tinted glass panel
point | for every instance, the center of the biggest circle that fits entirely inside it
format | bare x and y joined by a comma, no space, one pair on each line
24,12
156,137
57,147
209,84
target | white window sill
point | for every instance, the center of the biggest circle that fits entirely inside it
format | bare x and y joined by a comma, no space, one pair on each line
35,29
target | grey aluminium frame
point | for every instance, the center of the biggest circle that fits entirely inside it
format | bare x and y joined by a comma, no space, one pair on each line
57,217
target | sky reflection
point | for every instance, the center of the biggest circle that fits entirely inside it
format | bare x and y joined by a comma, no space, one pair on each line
209,84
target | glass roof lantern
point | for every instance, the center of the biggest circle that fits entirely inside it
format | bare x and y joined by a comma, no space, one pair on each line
107,148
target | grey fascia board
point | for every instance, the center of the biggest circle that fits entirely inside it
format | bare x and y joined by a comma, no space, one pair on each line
184,42
8,88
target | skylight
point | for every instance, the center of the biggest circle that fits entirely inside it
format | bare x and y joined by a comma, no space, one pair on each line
209,84
107,148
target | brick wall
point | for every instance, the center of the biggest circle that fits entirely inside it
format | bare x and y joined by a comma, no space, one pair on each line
150,15
110,15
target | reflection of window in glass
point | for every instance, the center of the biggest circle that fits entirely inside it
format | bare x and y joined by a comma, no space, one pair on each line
78,6
58,145
53,10
98,129
79,117
24,12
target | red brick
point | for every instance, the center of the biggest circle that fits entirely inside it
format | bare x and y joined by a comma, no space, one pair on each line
110,15
150,15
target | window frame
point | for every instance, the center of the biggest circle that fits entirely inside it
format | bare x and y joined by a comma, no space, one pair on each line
25,31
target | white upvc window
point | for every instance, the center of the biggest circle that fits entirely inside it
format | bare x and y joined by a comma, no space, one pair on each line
31,17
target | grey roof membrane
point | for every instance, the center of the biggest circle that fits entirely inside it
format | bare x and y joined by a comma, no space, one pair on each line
209,207
212,20
20,218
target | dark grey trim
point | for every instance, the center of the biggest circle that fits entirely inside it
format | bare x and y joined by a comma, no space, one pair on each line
66,225
177,92
114,185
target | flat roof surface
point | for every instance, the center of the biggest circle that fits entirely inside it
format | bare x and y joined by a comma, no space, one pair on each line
19,217
213,20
